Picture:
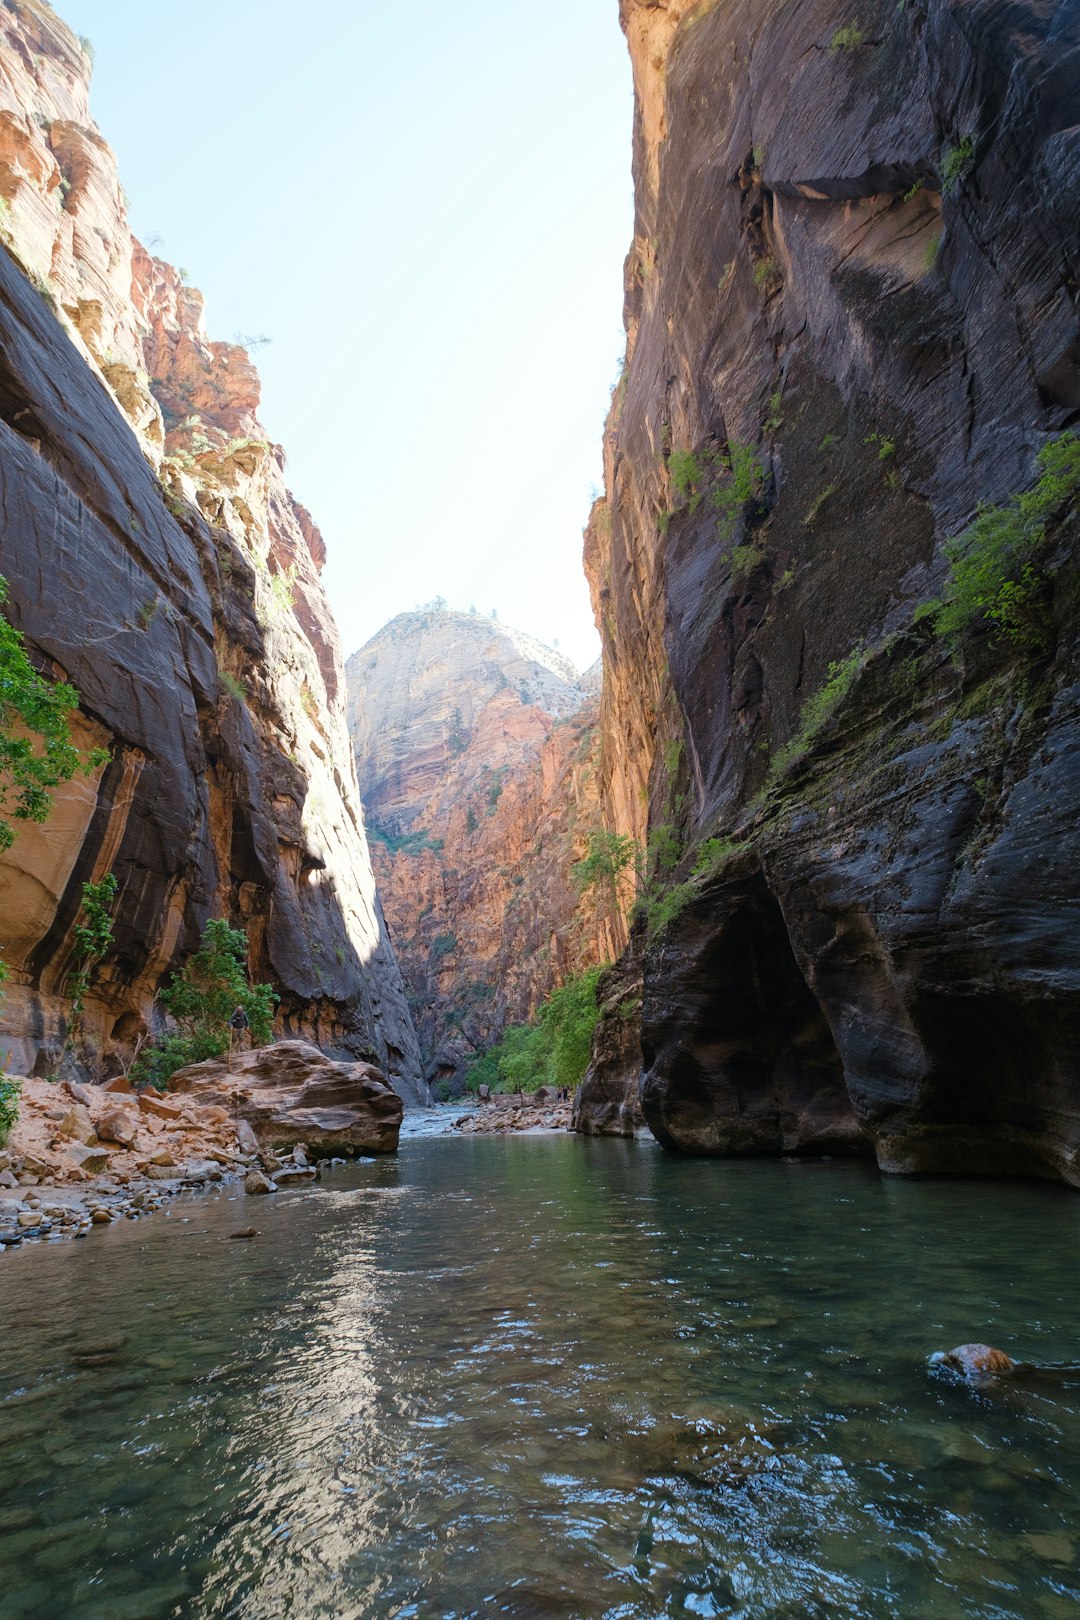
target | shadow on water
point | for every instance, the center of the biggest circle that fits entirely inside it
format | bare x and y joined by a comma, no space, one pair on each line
546,1377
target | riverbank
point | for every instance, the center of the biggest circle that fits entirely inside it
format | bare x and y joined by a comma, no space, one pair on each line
517,1111
85,1156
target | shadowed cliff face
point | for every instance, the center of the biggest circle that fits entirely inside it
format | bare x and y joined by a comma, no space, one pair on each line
156,558
851,315
477,747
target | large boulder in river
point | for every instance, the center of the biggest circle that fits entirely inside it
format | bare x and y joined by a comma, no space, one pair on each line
292,1092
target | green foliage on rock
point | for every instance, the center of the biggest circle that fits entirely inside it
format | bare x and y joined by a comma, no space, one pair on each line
10,1092
36,750
92,939
817,710
202,999
994,576
957,161
551,1051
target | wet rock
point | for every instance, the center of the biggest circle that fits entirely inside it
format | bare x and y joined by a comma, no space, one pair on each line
290,1175
978,1361
245,1232
256,1183
291,1093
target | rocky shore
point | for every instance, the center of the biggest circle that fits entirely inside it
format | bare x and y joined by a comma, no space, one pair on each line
541,1110
81,1156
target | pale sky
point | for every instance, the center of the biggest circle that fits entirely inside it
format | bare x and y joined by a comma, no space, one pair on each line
426,208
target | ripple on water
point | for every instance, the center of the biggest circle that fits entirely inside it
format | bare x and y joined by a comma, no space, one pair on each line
545,1377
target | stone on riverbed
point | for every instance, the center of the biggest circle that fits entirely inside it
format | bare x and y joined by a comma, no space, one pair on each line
292,1093
255,1182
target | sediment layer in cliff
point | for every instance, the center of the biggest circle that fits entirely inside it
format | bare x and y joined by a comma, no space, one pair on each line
852,319
156,558
478,750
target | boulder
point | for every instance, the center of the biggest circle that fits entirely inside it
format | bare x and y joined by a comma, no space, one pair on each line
80,1093
92,1159
158,1107
292,1093
246,1139
978,1360
116,1126
256,1182
120,1084
77,1124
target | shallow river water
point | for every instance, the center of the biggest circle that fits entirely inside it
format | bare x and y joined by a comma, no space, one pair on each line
545,1377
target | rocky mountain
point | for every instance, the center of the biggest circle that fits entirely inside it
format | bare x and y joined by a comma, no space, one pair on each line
851,313
155,558
478,749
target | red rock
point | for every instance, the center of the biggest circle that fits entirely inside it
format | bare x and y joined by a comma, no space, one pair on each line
116,1126
155,1104
120,1084
291,1093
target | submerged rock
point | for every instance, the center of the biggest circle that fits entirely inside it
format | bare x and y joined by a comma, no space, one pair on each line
291,1093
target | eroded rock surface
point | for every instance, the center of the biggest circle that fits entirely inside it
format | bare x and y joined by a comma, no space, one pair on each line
155,557
478,750
845,332
292,1094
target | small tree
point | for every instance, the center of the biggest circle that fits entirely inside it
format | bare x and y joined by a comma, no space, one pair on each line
600,871
202,1000
36,750
92,939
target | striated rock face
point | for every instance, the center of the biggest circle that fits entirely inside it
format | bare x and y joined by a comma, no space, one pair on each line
292,1094
478,751
851,318
156,558
607,1102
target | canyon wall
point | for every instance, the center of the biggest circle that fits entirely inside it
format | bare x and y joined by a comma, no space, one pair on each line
155,557
851,312
479,754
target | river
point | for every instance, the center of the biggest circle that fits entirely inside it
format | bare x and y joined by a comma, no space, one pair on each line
545,1377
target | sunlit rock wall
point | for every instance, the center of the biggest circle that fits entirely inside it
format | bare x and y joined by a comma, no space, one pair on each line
156,559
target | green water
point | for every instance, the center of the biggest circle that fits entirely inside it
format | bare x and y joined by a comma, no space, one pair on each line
545,1377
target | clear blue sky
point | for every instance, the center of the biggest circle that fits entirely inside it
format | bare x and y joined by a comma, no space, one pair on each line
426,207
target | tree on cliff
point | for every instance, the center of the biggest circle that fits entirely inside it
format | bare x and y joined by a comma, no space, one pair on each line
36,750
202,1000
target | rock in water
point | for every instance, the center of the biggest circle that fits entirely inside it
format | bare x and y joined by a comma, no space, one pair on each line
977,1361
255,1182
291,1093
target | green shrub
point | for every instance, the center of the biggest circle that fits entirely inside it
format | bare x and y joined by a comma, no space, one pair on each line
443,945
36,750
767,277
686,473
956,162
743,559
10,1092
551,1051
229,683
713,855
440,1091
993,572
817,710
202,999
91,941
608,855
846,39
930,252
741,483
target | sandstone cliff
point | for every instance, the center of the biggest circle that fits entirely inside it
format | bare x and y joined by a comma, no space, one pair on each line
156,558
478,750
851,318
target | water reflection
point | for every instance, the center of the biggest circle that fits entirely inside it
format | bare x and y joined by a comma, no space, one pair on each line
545,1377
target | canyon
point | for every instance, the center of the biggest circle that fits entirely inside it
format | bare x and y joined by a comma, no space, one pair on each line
478,751
156,559
851,317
